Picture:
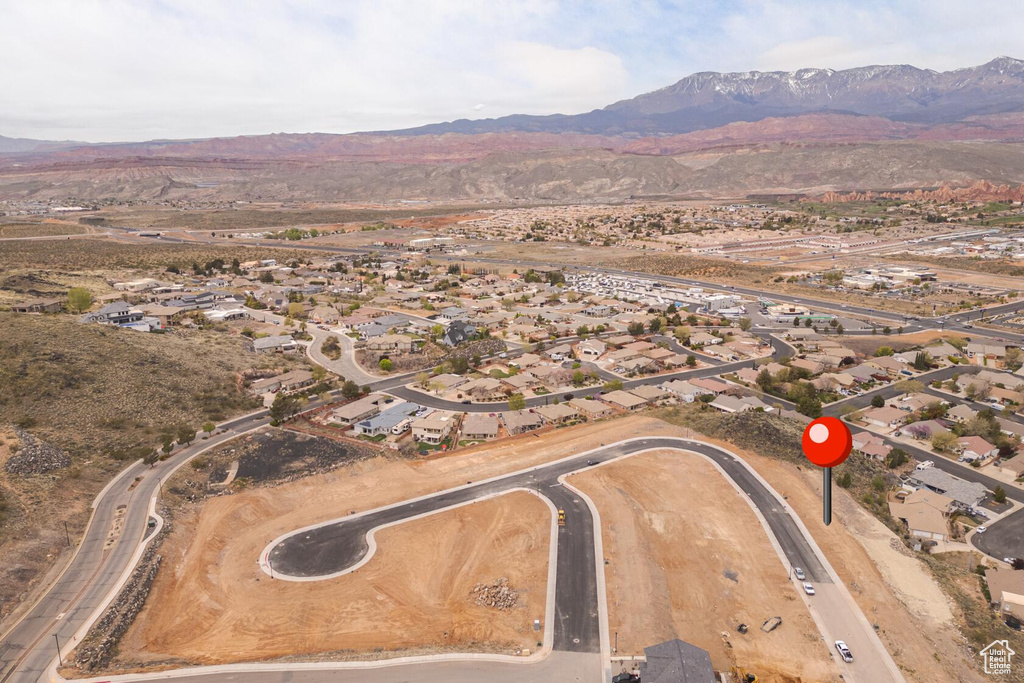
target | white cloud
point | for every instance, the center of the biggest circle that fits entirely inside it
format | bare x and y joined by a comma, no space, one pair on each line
121,69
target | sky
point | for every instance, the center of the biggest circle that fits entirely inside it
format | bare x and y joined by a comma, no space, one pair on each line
171,69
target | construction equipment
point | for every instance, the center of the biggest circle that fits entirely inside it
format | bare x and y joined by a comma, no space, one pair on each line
743,676
561,518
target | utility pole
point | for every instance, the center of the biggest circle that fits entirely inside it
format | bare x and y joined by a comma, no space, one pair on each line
60,661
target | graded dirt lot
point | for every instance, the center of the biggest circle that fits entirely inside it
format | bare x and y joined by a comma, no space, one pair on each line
207,585
689,559
215,605
893,589
891,597
868,345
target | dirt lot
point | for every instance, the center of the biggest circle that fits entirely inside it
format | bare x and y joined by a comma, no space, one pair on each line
868,345
685,567
895,591
215,605
937,654
21,230
207,556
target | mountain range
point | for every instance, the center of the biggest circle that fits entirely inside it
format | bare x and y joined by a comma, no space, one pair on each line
709,134
709,99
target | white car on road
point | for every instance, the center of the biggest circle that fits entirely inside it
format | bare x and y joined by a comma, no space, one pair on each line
799,573
808,588
844,651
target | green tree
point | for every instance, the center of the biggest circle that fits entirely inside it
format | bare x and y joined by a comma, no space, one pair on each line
582,331
1014,359
349,389
765,380
922,361
79,300
185,434
809,406
385,364
884,351
208,427
745,324
999,494
636,328
897,457
944,441
844,480
516,402
319,373
654,326
691,361
612,385
877,401
578,378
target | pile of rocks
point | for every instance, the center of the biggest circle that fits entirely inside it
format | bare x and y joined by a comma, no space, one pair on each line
103,637
498,595
35,456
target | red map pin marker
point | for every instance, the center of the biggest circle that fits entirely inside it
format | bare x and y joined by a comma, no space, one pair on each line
827,442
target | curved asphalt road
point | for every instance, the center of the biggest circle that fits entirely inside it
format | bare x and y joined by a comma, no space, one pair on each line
325,550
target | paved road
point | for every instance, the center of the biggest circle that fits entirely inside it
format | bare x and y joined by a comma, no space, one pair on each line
334,546
28,649
558,667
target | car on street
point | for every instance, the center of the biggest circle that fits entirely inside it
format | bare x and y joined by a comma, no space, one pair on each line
591,463
799,573
981,529
844,651
808,588
1009,560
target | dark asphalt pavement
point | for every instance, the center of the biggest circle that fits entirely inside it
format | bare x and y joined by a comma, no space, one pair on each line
338,545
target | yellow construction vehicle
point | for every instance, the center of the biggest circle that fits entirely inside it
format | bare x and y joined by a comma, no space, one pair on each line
561,518
744,676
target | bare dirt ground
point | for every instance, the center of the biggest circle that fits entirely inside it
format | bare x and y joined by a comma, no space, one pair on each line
215,605
689,559
935,652
207,584
895,591
868,345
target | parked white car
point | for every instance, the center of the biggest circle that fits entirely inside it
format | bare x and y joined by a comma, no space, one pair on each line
981,529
